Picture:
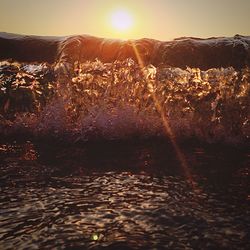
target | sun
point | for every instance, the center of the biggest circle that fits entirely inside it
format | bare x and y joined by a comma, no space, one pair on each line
121,20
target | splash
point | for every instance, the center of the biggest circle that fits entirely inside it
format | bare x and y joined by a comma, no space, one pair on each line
116,101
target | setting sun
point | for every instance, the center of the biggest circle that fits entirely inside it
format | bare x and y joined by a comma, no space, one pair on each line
121,20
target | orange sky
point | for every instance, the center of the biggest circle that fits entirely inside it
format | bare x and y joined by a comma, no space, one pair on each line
159,19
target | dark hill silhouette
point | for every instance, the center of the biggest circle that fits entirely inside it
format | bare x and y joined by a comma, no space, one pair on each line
180,52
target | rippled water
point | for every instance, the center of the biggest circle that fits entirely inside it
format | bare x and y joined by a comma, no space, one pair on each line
123,195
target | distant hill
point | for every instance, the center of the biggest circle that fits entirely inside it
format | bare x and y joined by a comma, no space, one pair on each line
180,52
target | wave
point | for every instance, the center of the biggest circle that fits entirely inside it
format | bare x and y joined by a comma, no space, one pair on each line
180,52
121,100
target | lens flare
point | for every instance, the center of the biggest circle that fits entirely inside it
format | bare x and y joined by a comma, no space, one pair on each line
165,122
94,237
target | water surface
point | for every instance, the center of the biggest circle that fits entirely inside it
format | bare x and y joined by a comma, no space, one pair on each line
123,195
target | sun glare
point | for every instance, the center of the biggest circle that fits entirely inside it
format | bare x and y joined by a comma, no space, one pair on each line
121,20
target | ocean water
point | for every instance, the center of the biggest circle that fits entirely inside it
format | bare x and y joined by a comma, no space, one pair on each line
114,156
123,195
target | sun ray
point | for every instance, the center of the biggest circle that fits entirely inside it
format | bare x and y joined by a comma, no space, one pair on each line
167,127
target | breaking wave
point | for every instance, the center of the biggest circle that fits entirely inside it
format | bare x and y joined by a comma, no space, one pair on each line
120,100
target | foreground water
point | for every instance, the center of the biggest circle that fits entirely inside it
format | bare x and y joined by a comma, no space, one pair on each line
123,195
120,156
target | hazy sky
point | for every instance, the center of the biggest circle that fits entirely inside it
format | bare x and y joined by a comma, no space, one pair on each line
159,19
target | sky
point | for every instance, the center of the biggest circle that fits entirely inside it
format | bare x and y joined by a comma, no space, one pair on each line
158,19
